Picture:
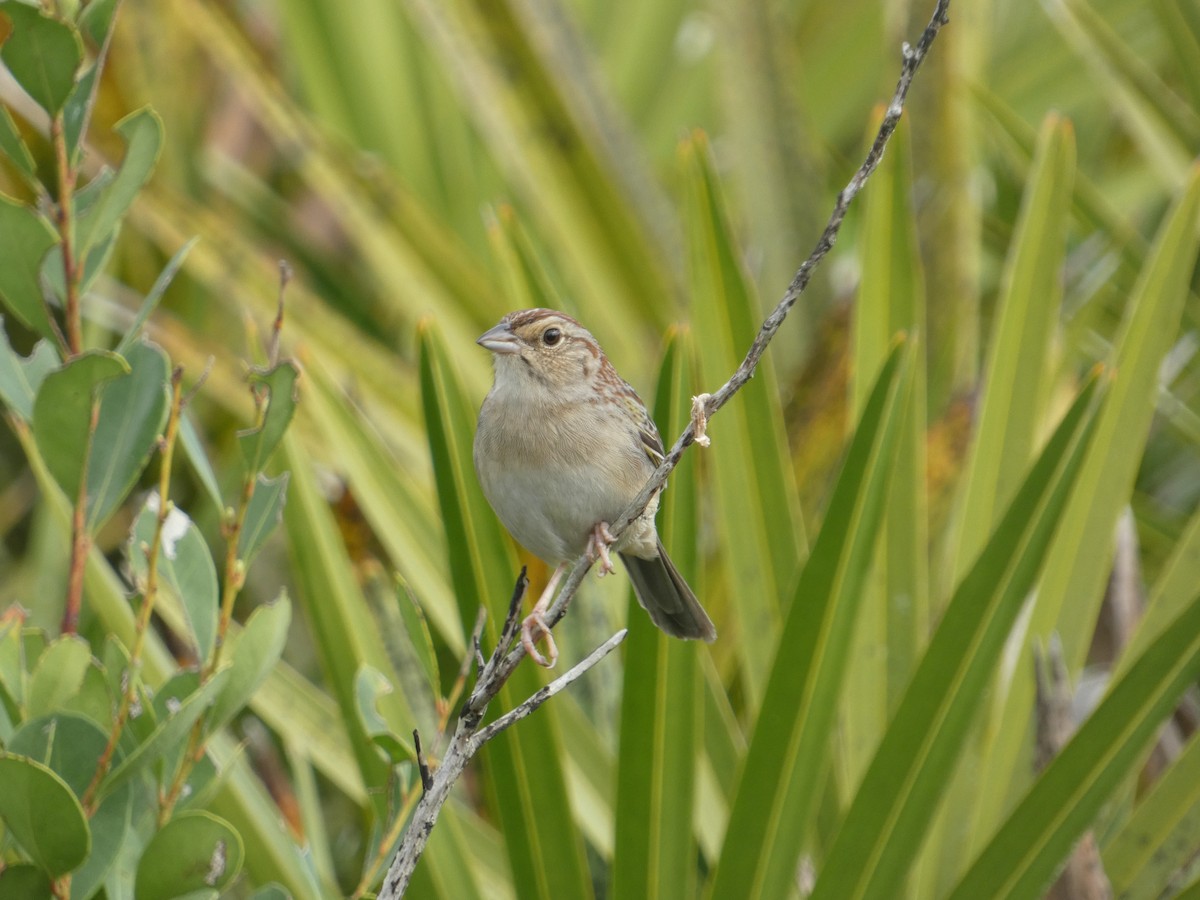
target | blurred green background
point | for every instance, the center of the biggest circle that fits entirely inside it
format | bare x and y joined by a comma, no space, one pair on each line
426,165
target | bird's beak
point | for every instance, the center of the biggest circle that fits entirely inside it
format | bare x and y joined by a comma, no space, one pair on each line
499,340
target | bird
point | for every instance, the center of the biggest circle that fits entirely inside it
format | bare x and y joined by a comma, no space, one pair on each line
563,446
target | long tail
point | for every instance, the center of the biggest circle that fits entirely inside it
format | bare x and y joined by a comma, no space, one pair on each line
667,598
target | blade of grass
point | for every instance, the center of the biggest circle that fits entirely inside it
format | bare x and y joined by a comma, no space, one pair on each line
1071,591
655,852
888,820
752,474
1159,839
1022,856
782,776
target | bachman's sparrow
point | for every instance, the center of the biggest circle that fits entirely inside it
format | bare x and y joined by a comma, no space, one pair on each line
563,446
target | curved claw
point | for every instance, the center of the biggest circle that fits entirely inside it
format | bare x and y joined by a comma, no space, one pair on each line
533,627
597,548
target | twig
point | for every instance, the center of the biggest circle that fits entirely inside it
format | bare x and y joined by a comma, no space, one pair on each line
504,659
540,696
426,778
468,738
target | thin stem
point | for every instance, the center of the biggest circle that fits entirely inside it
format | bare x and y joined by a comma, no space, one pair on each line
234,569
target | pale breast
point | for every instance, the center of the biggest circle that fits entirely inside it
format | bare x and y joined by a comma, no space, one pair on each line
552,476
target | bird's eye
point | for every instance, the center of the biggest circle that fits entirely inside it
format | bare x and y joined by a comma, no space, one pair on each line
551,336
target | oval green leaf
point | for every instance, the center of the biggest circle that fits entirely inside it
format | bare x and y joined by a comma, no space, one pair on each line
258,443
25,236
184,565
20,377
42,53
254,655
133,412
62,413
193,852
42,814
262,515
58,675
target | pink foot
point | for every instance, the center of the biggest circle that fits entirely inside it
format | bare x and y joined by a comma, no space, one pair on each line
597,547
533,627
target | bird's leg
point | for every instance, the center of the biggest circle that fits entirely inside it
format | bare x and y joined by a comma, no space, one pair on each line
597,547
534,625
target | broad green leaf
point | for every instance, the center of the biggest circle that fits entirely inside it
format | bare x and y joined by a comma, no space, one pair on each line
133,413
1022,856
369,685
254,653
68,744
25,236
262,515
882,831
1071,591
279,385
168,735
783,773
142,131
24,880
194,851
12,145
184,564
42,813
20,378
291,707
71,745
42,53
526,784
271,892
655,852
62,414
1158,841
151,300
58,675
755,485
94,700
